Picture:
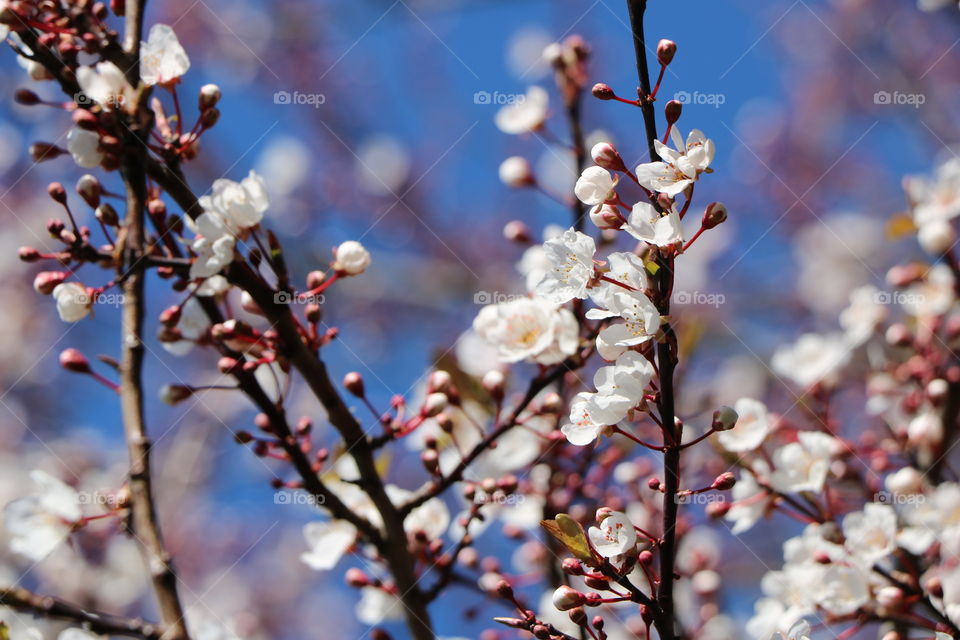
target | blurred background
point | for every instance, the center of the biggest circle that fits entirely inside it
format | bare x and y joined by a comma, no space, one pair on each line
395,145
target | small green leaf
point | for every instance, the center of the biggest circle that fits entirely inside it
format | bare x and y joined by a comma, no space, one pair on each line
571,535
652,267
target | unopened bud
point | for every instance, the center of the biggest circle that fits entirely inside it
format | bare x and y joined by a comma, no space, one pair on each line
724,481
209,96
353,382
56,191
577,615
666,49
28,254
516,172
672,111
566,598
431,460
724,419
504,590
210,117
516,231
73,360
572,567
552,403
603,91
26,97
717,509
106,214
606,216
89,189
356,578
175,393
434,404
715,214
42,151
439,381
607,156
493,382
47,281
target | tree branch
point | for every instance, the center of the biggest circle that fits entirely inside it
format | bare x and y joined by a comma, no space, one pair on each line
100,623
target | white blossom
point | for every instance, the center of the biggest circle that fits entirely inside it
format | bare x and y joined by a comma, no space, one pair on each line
432,517
803,465
751,428
871,534
748,506
327,542
812,359
571,261
641,320
105,84
861,319
351,258
74,301
528,328
590,415
844,590
39,523
84,146
526,115
595,186
680,167
377,606
647,225
231,208
515,171
615,535
212,255
162,58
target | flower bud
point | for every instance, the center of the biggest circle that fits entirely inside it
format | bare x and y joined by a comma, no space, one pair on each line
672,111
717,509
552,403
42,151
47,281
606,217
356,578
666,49
516,172
439,381
890,597
577,615
898,335
504,590
553,54
572,567
516,231
26,97
89,189
350,258
431,460
715,214
724,419
607,156
434,404
936,237
210,117
493,382
937,390
56,191
73,360
28,254
603,91
353,382
209,96
106,214
173,394
566,598
724,481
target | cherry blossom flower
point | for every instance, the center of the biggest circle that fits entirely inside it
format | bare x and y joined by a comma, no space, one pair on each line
528,328
647,225
751,428
748,505
614,537
681,167
515,171
162,59
861,319
590,415
74,301
571,259
431,518
232,208
105,84
932,296
937,199
377,606
803,465
84,146
595,186
40,523
813,359
622,385
625,268
351,258
212,255
526,115
327,542
845,589
641,320
870,534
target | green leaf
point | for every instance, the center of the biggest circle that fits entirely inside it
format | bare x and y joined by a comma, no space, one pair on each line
652,267
571,535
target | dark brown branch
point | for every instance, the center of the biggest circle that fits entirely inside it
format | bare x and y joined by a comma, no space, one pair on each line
100,623
143,522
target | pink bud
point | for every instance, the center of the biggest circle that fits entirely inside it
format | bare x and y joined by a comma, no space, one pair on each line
516,231
715,214
666,49
28,254
566,598
603,91
353,382
46,281
356,578
56,191
607,156
73,360
672,111
724,481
